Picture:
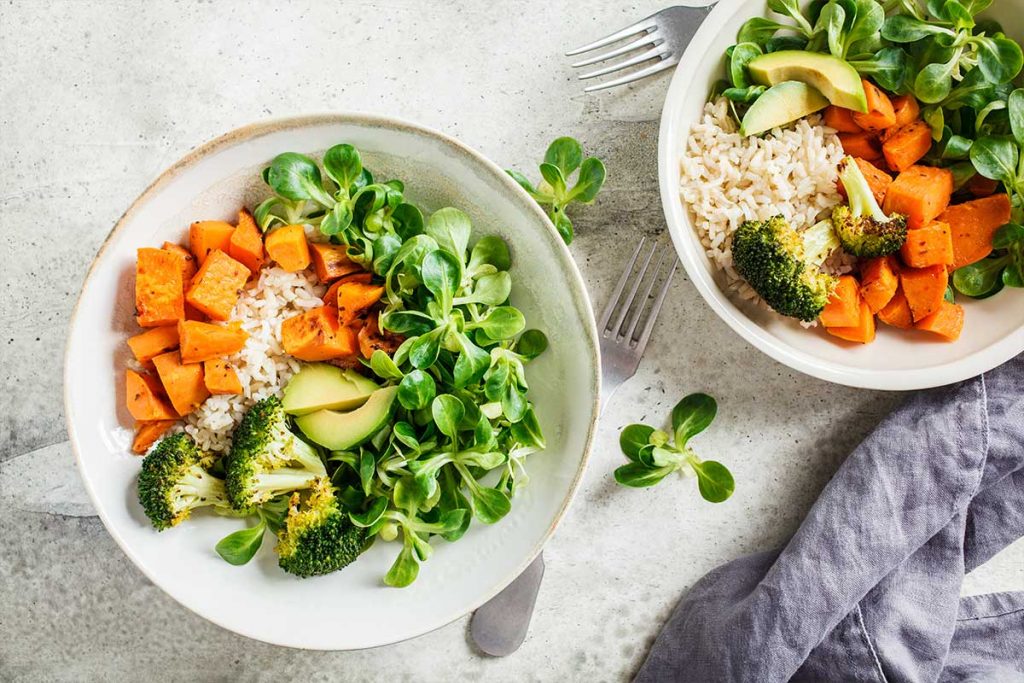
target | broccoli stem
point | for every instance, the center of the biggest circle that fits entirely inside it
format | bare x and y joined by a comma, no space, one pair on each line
819,242
859,195
199,488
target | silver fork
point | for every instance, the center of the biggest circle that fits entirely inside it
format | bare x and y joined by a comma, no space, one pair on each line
499,627
662,36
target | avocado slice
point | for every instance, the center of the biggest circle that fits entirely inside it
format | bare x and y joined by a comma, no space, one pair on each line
831,76
321,386
781,104
339,431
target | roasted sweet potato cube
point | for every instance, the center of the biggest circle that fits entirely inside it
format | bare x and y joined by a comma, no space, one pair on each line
354,298
205,237
331,262
183,383
145,398
931,245
331,295
246,244
925,289
879,280
897,311
188,266
317,335
372,339
221,378
215,288
146,434
205,341
158,288
287,246
153,342
947,322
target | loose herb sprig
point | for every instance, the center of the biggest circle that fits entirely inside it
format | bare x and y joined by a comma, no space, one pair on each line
564,157
654,454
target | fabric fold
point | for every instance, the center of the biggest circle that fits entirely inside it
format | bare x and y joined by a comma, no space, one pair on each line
868,587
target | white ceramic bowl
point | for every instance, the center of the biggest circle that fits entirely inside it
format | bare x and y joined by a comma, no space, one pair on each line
994,328
352,608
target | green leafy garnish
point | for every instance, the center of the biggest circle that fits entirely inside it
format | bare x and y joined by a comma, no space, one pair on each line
563,158
654,454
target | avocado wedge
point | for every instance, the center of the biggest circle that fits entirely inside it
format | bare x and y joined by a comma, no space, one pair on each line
832,77
781,104
321,386
338,431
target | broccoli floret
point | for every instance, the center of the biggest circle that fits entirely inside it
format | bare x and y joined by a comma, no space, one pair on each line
317,537
862,227
267,459
174,481
783,265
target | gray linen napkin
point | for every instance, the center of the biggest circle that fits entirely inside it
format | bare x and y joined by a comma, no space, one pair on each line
868,589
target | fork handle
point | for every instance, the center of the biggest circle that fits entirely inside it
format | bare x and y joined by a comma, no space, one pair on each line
499,627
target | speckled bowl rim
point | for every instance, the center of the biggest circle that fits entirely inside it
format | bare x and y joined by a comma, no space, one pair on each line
699,269
578,293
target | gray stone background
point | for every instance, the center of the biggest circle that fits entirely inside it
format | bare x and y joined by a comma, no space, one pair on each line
98,96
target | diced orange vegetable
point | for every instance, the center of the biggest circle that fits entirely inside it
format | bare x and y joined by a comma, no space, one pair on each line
980,186
920,193
924,289
841,119
221,378
215,288
906,109
947,322
203,341
880,114
864,145
146,434
153,342
879,279
317,335
905,146
287,246
973,224
183,383
878,180
862,332
355,297
189,267
192,313
331,295
158,288
144,398
372,339
246,243
897,312
843,307
331,262
205,237
928,246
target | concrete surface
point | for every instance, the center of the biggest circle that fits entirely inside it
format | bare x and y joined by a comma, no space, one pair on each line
99,96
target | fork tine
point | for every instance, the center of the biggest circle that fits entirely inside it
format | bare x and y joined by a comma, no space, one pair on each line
628,302
642,25
665,63
619,286
641,306
645,336
640,42
655,51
